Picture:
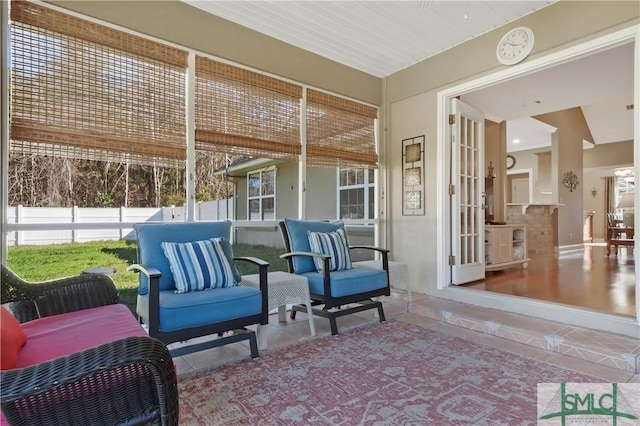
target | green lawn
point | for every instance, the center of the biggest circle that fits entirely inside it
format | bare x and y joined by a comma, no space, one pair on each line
38,263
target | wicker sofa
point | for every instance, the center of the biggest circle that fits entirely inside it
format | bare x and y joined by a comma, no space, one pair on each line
87,376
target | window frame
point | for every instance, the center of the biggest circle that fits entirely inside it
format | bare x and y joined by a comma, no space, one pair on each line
368,186
261,196
624,185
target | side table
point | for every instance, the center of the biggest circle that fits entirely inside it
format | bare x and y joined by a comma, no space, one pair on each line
284,289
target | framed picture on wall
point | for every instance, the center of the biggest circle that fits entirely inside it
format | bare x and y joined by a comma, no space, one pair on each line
413,176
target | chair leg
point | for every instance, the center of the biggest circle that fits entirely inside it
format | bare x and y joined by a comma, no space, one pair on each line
381,312
334,325
261,332
253,344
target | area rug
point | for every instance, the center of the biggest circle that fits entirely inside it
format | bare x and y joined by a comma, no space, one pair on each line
390,373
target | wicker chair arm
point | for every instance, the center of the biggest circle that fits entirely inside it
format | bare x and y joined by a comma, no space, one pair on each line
61,295
131,380
23,310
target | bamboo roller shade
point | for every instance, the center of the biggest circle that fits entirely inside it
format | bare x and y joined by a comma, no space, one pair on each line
94,90
243,112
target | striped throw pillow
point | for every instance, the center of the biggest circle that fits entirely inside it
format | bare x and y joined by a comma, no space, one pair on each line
334,244
198,265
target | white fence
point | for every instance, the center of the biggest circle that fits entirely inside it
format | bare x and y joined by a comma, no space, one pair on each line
212,210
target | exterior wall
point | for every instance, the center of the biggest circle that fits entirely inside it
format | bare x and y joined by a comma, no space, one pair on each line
411,102
321,204
287,190
322,193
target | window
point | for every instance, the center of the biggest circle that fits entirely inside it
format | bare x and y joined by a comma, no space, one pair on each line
262,195
625,184
356,193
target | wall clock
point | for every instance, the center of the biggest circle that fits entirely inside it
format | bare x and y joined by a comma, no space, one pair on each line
515,45
511,161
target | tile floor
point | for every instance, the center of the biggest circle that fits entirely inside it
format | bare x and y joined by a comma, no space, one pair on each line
613,358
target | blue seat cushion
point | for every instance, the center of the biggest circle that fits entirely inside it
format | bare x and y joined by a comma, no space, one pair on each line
348,282
299,240
151,235
195,309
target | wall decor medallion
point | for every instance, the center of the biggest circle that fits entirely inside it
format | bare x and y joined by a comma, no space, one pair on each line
413,176
570,180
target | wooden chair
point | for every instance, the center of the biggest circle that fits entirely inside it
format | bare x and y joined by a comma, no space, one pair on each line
617,236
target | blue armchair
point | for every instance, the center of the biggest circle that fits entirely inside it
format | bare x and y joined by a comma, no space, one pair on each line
174,313
333,282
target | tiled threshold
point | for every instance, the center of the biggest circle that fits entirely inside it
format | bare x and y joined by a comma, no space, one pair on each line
602,348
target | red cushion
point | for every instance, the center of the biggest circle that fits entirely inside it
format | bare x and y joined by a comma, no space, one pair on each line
13,339
61,335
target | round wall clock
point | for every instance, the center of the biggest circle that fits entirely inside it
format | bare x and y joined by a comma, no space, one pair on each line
515,45
511,161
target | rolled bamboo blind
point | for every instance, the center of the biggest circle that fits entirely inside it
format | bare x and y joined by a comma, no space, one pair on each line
239,111
87,91
340,132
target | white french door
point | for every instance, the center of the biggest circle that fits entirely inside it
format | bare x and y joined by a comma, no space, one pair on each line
467,193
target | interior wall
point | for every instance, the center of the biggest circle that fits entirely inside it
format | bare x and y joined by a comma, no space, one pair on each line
599,162
607,155
594,180
412,97
572,130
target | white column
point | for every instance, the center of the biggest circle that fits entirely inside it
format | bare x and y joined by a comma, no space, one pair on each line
302,164
190,99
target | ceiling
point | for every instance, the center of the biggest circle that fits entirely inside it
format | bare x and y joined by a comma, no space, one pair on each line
383,37
377,37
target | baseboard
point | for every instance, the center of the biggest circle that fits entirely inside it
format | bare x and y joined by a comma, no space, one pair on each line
572,248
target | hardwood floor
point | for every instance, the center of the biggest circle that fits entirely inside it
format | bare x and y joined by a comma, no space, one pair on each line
587,279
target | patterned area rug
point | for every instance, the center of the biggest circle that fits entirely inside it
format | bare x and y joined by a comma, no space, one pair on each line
389,373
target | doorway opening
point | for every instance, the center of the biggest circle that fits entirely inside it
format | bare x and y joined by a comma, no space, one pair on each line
554,310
